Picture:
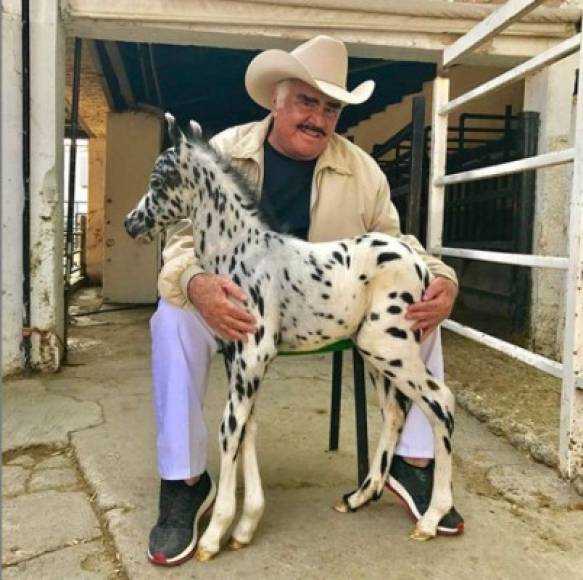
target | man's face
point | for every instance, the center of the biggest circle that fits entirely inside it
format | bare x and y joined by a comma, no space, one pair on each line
304,121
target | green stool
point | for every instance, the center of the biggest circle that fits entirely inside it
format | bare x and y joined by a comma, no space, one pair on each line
337,348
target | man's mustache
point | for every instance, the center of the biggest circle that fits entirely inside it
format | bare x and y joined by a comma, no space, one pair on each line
313,128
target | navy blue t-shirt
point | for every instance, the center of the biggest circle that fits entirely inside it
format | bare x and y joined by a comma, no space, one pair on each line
287,185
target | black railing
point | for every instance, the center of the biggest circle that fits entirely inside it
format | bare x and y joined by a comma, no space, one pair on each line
405,169
490,214
470,146
77,259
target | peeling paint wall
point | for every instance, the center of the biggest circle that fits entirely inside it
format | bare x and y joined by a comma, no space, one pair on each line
12,189
46,185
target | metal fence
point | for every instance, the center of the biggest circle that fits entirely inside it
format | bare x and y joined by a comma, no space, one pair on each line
491,214
571,368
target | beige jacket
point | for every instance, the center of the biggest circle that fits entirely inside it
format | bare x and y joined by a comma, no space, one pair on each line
350,196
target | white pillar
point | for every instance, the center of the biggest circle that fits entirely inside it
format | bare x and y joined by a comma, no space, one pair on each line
550,93
47,55
12,188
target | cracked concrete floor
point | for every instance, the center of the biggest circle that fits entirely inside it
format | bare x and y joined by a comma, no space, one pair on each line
80,482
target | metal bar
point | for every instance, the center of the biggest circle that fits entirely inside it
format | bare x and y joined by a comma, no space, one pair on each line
461,132
438,161
489,27
399,191
531,66
571,426
537,162
360,414
71,184
336,400
72,161
82,243
480,117
524,201
413,223
536,360
556,262
391,142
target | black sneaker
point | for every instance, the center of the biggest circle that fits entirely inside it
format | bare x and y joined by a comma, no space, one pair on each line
174,537
413,485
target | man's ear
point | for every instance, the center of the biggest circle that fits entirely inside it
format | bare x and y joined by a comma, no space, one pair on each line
274,101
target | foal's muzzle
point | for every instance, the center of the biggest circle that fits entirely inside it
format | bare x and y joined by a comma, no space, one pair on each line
137,228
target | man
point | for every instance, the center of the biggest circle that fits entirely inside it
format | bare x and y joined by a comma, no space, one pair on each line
320,187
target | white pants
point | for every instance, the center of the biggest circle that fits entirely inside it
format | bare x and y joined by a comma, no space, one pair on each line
182,347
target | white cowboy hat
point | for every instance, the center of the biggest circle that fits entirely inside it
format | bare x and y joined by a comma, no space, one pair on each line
321,62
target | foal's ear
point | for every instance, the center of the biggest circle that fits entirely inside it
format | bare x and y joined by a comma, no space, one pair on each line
195,130
173,130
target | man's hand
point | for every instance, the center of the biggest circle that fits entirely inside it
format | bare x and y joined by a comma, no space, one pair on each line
212,296
435,306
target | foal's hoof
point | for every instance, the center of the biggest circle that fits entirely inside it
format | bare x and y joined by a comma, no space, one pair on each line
341,507
203,555
236,545
419,535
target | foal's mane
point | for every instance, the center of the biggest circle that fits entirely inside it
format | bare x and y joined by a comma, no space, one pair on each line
247,191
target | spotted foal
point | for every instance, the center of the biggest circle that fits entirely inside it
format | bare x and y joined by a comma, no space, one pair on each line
303,296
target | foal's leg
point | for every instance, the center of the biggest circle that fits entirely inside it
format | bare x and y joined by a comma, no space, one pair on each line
393,414
254,501
437,403
246,374
386,340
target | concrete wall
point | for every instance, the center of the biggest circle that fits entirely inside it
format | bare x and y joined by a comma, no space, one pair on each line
550,92
11,187
47,53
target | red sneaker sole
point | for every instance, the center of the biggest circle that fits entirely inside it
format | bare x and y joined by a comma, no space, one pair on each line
160,559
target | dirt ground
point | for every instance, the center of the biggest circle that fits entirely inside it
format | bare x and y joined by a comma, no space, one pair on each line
514,399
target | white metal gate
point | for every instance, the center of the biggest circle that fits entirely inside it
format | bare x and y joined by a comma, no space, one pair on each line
571,370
